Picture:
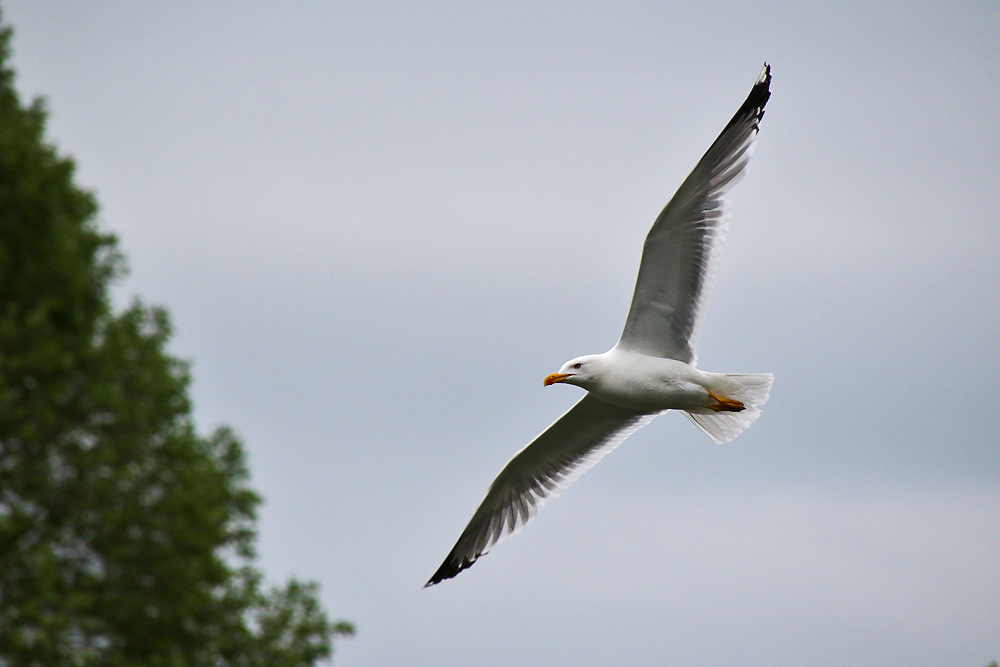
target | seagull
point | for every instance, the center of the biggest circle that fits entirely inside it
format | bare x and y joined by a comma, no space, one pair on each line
652,367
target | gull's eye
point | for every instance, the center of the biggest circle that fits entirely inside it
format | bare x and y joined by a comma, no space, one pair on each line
577,365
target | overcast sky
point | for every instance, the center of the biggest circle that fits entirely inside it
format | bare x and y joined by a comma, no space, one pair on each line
378,226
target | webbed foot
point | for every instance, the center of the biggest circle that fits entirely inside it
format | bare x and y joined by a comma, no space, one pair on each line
725,404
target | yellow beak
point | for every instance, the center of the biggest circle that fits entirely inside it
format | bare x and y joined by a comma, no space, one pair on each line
556,377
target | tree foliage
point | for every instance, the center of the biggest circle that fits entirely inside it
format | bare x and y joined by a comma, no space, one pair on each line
125,537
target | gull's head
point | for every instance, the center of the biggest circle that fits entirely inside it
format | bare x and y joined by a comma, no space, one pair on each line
580,371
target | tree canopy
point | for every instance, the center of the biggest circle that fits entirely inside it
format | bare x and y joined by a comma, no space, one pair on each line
126,538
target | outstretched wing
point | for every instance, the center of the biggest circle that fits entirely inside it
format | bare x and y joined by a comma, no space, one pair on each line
679,253
540,472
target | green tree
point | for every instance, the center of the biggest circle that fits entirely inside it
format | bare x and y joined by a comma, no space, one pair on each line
125,537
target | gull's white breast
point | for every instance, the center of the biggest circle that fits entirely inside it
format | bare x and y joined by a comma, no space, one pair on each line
651,384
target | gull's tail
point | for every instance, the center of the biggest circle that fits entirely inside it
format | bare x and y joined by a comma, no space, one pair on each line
751,390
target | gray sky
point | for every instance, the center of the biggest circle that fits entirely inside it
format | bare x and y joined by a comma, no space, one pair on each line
378,226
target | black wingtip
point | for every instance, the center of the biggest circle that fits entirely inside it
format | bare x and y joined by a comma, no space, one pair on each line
765,74
761,90
449,568
754,105
758,97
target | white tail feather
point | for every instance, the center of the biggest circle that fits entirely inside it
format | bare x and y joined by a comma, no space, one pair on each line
751,390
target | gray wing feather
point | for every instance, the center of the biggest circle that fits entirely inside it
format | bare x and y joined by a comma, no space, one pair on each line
680,250
538,473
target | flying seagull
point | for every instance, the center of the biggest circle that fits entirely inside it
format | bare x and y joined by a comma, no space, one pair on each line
652,367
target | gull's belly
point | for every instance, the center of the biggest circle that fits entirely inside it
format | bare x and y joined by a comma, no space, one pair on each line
659,384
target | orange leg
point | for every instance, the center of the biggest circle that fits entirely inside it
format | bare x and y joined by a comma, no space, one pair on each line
725,404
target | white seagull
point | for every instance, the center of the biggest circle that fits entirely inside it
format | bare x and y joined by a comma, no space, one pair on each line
652,367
